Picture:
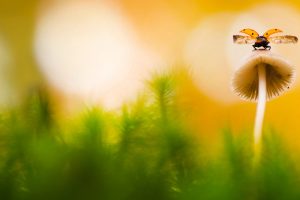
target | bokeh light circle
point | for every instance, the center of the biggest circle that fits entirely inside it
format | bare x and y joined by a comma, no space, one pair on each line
205,54
213,57
88,49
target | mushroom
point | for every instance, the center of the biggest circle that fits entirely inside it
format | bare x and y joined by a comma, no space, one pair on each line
262,77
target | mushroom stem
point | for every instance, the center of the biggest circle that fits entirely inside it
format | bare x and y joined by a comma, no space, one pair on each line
261,104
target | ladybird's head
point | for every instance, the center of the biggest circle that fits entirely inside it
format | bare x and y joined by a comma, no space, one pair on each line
261,38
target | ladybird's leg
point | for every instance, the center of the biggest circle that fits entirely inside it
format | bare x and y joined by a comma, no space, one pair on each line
266,47
254,46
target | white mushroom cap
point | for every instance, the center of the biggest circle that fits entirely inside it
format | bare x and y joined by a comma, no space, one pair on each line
279,75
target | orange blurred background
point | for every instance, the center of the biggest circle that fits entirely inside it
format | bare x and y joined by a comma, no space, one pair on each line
101,52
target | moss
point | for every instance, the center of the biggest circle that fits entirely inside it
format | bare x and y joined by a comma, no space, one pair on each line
154,155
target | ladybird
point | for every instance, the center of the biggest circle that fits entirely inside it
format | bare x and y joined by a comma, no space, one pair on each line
252,37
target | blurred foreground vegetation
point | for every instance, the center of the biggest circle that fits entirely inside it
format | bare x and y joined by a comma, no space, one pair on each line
144,151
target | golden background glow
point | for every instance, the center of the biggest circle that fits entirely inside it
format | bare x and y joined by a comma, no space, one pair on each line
102,52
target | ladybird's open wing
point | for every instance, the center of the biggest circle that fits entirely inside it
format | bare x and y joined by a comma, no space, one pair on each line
252,33
271,32
243,39
283,39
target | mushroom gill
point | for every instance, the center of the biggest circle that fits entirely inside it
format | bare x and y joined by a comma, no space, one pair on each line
279,75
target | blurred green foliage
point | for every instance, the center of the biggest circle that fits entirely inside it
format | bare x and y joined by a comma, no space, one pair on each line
143,152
